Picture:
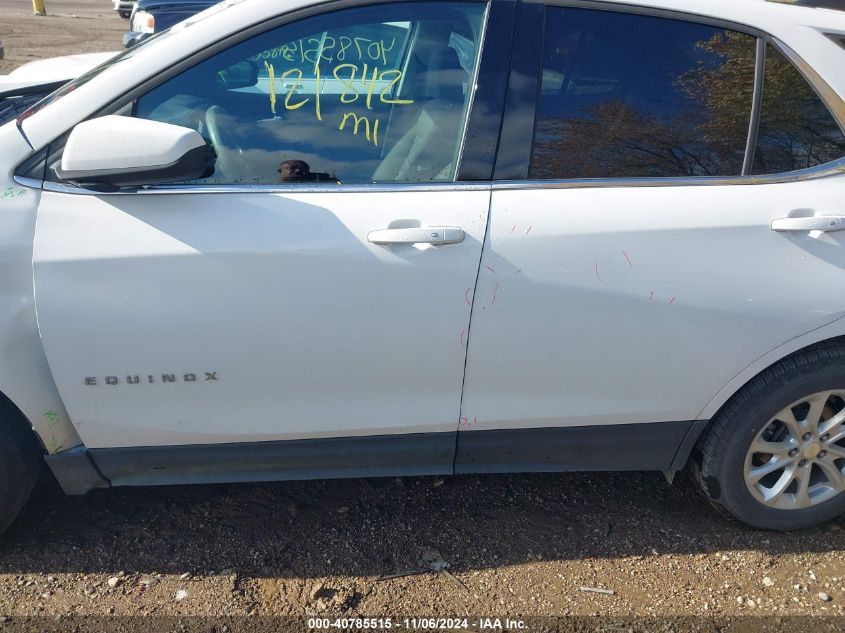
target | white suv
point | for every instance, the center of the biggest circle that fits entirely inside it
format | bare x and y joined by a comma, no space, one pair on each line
123,7
366,239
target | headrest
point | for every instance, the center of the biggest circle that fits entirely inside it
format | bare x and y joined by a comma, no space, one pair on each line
445,78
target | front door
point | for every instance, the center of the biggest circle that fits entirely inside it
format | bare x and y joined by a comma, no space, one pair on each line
314,285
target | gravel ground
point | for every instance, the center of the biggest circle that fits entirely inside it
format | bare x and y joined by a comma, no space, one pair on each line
481,546
70,27
520,545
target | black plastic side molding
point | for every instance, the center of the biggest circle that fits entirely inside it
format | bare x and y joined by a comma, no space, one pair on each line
75,471
601,447
657,446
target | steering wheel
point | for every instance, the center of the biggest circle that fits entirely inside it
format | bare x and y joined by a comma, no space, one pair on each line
229,153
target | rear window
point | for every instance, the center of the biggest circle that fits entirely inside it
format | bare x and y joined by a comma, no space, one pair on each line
626,95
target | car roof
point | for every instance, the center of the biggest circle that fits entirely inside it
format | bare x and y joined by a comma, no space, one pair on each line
787,10
818,4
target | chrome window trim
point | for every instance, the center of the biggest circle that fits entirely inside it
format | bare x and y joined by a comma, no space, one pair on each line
834,168
31,183
290,188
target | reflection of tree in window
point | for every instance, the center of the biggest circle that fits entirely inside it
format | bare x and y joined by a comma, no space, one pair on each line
637,96
724,90
796,129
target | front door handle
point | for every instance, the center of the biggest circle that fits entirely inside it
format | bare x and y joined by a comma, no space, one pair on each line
418,235
822,223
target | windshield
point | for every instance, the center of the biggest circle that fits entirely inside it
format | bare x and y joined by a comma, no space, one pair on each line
88,76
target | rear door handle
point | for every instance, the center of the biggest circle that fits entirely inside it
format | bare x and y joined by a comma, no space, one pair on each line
418,235
822,223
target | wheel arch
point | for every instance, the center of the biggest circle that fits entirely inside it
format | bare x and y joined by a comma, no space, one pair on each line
10,414
28,394
825,335
830,334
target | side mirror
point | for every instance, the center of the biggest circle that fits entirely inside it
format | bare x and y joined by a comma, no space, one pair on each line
127,152
130,38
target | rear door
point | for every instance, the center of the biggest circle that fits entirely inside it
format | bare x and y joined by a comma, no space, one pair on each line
631,269
313,287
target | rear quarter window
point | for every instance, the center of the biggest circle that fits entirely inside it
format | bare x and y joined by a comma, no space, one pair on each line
796,130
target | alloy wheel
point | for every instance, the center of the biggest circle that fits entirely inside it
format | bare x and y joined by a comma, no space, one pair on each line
797,459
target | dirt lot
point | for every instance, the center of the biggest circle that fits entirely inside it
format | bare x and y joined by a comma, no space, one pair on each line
514,545
71,26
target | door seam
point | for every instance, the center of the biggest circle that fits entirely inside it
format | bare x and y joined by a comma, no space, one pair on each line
469,324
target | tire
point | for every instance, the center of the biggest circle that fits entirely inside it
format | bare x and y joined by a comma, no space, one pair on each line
20,463
124,14
728,470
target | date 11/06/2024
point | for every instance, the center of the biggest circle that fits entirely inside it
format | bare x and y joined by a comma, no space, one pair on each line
427,624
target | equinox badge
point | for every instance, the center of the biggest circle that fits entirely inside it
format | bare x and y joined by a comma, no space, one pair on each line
136,379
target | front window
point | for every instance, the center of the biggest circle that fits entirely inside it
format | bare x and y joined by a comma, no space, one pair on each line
369,94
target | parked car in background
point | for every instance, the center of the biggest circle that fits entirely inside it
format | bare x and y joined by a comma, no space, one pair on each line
123,7
346,238
32,81
154,16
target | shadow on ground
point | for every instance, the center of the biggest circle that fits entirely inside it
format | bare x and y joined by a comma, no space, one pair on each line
372,527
